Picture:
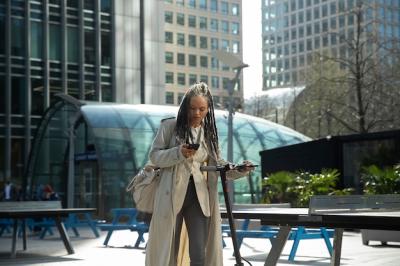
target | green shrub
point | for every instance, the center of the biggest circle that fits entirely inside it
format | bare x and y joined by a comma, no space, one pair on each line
297,188
381,180
277,187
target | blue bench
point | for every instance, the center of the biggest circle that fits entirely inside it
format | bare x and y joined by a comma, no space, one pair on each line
124,219
5,226
73,221
296,234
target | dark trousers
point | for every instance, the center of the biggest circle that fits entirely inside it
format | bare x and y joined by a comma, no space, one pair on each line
196,224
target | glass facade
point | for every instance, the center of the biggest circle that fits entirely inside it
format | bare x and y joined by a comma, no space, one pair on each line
89,151
40,56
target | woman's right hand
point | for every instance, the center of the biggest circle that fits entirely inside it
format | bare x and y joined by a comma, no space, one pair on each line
186,151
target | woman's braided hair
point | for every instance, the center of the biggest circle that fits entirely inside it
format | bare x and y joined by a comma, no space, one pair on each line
182,128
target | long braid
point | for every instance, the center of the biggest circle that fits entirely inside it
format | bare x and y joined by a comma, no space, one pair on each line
182,124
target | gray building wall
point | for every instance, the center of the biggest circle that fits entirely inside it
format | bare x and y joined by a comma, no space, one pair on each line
128,52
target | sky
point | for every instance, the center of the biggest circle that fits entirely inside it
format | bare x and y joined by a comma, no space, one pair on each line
252,53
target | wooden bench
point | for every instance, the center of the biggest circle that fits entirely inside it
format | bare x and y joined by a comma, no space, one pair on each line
296,234
124,219
20,211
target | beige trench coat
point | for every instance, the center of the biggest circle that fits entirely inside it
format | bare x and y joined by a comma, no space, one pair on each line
166,153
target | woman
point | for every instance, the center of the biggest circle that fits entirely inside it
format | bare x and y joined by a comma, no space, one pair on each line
185,194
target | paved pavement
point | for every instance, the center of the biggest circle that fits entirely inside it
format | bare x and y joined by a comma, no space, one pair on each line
90,251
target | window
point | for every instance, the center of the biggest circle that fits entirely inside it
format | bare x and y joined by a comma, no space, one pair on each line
18,40
37,96
293,19
214,5
235,47
180,2
204,61
192,21
105,6
224,8
235,9
225,83
180,97
316,28
169,38
225,45
309,44
181,79
316,12
333,8
169,77
204,78
333,23
301,17
192,40
214,25
18,95
235,28
225,26
169,57
214,63
308,14
180,59
214,44
192,3
294,34
168,17
89,47
203,42
203,23
192,60
37,39
309,29
341,21
215,82
180,19
169,97
180,39
105,48
192,79
203,4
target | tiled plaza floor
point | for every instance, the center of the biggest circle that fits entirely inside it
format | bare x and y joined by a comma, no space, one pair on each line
90,251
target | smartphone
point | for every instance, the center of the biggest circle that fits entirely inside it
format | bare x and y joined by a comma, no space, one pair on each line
240,166
193,146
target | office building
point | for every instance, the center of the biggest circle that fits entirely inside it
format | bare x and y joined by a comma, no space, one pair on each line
194,29
294,30
93,50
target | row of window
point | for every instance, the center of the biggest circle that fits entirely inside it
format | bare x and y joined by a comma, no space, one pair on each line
219,102
18,93
223,7
341,5
282,72
192,61
314,28
216,25
183,79
327,40
391,16
215,43
181,59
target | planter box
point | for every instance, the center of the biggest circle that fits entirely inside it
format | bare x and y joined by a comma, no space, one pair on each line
383,236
